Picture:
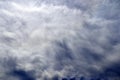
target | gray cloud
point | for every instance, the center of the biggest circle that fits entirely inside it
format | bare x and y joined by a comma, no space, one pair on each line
54,39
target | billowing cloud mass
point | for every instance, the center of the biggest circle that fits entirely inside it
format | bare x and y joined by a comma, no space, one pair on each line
55,39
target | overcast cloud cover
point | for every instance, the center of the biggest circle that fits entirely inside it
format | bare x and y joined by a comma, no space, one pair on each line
50,39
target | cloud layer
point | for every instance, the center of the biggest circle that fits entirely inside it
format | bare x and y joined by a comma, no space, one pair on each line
49,39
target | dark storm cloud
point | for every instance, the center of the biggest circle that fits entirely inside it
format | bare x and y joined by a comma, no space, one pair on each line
23,75
51,39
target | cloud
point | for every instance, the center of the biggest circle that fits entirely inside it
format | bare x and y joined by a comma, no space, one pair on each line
55,39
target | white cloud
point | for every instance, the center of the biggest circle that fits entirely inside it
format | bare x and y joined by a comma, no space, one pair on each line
58,39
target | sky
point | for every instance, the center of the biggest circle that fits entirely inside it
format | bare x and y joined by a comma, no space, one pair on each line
55,39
